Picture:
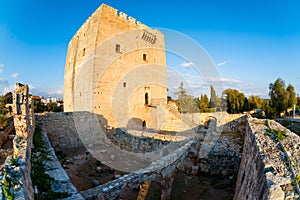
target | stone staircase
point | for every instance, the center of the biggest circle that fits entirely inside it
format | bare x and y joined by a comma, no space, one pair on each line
175,122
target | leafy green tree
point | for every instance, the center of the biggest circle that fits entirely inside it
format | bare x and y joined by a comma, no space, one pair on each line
52,106
203,103
213,97
255,102
38,106
279,96
186,103
3,121
235,101
267,108
246,105
7,98
292,96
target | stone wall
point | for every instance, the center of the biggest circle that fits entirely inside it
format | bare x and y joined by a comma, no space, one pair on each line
160,171
17,169
60,128
136,144
226,151
180,122
225,156
264,171
61,181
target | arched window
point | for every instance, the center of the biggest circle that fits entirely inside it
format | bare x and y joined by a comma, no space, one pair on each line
144,57
144,124
146,99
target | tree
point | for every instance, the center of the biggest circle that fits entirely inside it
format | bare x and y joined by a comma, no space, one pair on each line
246,105
292,96
268,110
38,106
213,97
279,96
255,102
52,106
7,98
203,103
235,101
186,103
3,121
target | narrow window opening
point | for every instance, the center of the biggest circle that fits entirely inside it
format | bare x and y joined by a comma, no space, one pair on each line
83,52
118,48
146,99
144,57
124,84
144,124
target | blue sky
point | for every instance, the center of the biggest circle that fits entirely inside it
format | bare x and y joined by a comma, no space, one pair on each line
251,42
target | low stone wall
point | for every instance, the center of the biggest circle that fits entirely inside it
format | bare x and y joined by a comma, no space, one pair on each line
54,169
60,128
160,171
264,171
222,118
227,146
235,123
225,157
137,144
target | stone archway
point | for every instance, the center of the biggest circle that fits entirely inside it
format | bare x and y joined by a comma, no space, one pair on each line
211,123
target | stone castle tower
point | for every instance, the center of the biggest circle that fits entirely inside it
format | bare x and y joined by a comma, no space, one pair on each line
116,68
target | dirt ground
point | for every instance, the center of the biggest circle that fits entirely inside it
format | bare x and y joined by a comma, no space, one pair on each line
200,187
84,170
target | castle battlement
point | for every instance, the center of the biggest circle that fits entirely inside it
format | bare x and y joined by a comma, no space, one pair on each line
108,10
122,15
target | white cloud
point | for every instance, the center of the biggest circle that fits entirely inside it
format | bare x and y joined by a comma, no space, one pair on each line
10,88
224,80
31,87
15,75
187,64
44,91
223,63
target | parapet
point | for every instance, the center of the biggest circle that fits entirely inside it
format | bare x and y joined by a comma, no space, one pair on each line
108,9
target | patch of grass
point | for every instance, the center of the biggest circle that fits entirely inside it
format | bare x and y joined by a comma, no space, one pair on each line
296,180
38,175
13,162
280,135
277,134
8,187
269,132
37,138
